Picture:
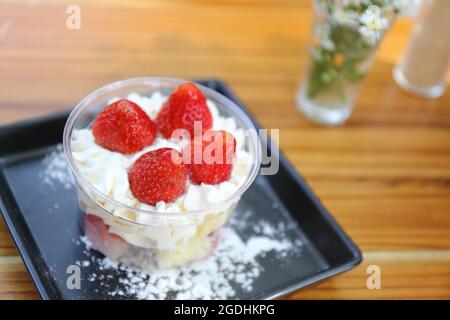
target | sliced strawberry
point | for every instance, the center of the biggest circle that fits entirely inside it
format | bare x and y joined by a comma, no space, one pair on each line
111,245
186,106
156,177
211,157
123,127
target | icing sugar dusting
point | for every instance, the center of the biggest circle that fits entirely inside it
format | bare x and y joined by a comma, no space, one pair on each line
56,170
232,267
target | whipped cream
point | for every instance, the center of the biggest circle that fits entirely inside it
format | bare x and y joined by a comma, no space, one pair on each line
107,171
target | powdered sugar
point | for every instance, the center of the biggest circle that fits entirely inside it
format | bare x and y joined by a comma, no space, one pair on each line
56,170
259,245
232,267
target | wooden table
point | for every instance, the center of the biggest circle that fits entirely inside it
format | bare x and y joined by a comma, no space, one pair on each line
385,175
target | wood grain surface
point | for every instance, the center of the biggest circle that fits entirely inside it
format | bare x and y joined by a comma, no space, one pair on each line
385,175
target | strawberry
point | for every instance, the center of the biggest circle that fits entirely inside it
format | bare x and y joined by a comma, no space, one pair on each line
211,157
155,176
123,127
184,107
109,244
163,121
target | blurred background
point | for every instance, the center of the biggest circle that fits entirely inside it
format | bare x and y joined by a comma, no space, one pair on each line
251,44
384,175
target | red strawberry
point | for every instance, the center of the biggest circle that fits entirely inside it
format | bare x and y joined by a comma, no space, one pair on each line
109,244
185,106
155,176
211,157
123,127
163,121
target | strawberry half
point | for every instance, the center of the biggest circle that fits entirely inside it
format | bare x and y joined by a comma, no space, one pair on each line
184,107
156,177
211,157
109,244
124,127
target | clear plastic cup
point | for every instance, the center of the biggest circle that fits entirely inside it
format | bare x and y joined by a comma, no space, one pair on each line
152,239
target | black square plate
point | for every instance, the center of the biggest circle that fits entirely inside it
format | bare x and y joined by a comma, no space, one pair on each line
43,219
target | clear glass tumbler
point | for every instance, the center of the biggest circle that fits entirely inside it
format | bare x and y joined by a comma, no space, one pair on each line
344,40
142,238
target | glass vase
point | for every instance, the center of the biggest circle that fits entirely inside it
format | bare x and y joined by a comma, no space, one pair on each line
344,39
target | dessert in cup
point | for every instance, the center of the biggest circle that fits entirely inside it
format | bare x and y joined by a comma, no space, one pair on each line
159,165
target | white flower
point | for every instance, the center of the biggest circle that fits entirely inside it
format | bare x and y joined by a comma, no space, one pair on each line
407,7
372,18
373,24
401,4
322,33
370,36
345,17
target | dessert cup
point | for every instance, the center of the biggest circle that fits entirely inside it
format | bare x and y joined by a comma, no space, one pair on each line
144,238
